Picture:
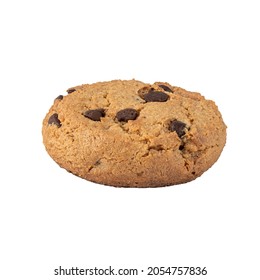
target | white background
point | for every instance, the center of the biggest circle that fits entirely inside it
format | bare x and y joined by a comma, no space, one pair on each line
50,217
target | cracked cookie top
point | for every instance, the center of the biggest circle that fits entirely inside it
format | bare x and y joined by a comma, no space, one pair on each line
129,133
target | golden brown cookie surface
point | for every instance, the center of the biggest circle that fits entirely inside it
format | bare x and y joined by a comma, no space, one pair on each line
132,134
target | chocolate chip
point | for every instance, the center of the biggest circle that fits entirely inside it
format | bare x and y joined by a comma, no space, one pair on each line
178,127
166,88
54,120
94,115
60,97
126,115
155,96
181,147
70,90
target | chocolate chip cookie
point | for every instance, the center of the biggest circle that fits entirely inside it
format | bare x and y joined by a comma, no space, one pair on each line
133,134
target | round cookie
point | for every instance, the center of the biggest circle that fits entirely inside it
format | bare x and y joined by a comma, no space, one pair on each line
133,134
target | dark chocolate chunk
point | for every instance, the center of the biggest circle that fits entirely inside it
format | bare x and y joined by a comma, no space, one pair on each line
178,127
70,90
166,88
60,97
155,96
94,115
54,120
181,147
126,115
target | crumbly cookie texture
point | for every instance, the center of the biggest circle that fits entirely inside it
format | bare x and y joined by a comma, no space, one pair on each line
133,134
